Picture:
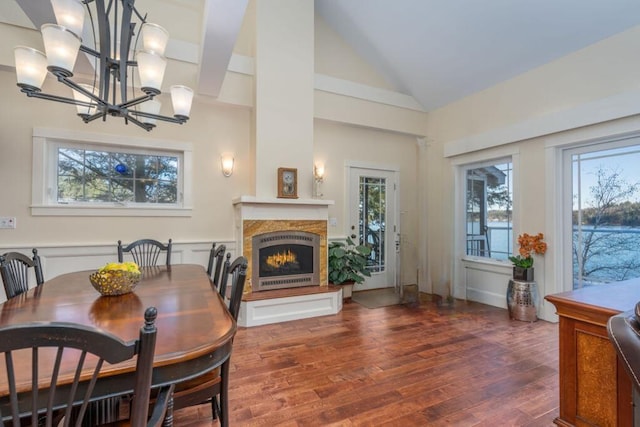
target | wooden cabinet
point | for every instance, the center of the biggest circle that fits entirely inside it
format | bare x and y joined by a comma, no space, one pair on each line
595,390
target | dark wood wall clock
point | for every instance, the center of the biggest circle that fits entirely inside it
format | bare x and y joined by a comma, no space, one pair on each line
287,183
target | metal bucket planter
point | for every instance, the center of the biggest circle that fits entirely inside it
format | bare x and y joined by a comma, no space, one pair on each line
522,300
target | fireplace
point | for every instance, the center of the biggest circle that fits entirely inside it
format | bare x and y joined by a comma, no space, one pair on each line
282,229
285,259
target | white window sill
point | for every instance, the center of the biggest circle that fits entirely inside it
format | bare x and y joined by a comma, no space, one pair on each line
68,210
487,261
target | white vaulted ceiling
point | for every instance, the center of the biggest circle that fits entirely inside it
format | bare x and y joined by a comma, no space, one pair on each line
440,51
437,51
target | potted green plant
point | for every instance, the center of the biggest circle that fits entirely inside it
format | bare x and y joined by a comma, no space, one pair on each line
348,265
523,263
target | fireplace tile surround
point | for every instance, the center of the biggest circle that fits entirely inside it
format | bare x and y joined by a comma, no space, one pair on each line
255,216
251,228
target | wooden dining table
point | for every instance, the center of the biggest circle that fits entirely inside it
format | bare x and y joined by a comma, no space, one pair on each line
195,329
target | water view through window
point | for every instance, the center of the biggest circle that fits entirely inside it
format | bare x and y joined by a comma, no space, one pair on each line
606,216
489,215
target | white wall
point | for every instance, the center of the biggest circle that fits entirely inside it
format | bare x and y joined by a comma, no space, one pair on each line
383,131
336,144
212,130
583,88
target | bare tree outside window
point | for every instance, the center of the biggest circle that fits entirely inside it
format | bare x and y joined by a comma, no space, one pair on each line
606,231
116,177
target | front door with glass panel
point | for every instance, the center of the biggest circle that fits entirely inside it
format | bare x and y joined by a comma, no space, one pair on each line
372,222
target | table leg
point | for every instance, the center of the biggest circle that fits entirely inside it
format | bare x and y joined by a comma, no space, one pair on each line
224,394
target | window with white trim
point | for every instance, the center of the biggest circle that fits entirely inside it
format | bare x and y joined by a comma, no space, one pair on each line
97,175
89,174
488,209
602,211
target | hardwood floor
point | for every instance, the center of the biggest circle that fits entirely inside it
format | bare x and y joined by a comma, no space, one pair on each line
420,365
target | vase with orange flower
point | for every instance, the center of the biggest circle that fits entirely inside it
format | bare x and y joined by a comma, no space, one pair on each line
522,291
523,262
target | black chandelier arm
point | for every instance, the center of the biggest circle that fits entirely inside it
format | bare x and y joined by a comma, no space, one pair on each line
93,52
142,19
145,126
136,101
90,51
175,119
73,85
49,97
124,114
89,118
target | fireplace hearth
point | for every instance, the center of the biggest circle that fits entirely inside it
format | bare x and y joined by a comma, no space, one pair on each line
285,259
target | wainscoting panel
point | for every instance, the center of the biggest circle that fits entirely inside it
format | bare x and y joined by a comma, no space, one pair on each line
57,260
487,283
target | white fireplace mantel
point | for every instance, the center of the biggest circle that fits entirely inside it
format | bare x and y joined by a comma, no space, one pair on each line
253,200
279,309
251,207
273,202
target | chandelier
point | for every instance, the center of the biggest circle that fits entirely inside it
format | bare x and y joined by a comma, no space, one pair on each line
113,25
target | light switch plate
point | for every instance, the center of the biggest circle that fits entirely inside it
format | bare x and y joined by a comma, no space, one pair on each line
7,222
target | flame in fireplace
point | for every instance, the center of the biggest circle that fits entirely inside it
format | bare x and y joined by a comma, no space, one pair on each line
280,259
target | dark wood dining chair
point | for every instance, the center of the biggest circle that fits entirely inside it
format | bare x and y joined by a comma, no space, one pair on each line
145,252
224,283
214,267
15,270
214,386
29,351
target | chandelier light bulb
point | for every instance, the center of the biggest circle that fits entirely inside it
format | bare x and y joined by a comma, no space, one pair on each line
151,68
181,97
84,110
61,46
70,14
150,107
31,67
154,38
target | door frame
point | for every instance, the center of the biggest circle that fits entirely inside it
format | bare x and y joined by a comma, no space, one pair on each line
395,171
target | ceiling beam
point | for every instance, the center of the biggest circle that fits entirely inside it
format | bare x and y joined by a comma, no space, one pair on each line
222,22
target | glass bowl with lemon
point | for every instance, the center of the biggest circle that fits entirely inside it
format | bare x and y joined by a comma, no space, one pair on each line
116,278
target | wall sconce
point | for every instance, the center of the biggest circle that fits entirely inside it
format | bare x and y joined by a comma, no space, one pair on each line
318,178
226,161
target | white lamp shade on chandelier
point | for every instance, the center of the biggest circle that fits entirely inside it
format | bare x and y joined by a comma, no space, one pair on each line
70,14
181,98
154,38
150,107
79,96
114,93
31,66
151,68
61,46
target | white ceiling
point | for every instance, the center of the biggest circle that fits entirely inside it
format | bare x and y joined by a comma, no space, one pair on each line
440,51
